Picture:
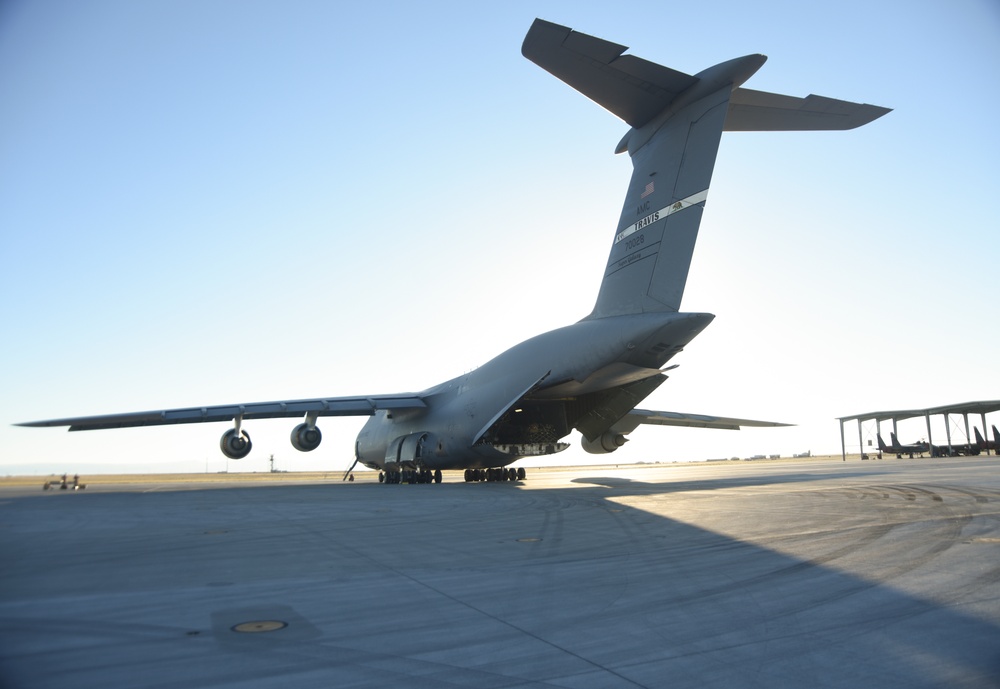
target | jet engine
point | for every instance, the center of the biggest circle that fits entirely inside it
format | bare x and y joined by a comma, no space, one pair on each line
235,444
609,441
306,438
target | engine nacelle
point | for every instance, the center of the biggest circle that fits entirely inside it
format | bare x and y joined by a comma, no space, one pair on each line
607,442
235,444
306,438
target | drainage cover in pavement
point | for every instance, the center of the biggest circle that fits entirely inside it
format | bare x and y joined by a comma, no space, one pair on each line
260,626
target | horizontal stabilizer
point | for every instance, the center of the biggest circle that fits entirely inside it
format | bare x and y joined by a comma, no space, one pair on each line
634,89
760,111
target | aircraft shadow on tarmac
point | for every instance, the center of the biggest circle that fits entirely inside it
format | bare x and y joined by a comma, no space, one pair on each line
713,483
491,585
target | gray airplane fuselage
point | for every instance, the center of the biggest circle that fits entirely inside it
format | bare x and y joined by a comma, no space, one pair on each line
523,401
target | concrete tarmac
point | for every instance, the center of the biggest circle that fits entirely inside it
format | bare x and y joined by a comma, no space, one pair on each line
732,574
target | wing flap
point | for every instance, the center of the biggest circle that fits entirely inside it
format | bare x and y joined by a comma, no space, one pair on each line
329,406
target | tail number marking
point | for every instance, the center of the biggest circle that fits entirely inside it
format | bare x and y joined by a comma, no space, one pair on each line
691,200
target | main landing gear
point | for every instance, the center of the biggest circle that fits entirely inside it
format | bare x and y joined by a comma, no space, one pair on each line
494,475
410,476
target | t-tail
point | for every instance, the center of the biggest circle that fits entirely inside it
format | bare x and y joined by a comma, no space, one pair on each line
676,123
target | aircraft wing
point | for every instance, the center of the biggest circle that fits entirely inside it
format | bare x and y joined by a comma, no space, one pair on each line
326,406
636,417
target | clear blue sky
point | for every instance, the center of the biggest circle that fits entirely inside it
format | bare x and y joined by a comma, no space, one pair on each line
216,202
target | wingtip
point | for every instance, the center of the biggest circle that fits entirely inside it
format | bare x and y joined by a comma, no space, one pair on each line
542,33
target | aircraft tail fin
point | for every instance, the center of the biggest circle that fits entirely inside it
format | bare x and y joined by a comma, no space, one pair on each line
996,437
676,122
881,443
980,441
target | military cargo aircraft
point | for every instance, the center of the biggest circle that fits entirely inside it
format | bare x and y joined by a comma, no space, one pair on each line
590,375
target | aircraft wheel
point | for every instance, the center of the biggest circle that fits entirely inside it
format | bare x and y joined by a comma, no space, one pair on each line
381,477
438,476
521,474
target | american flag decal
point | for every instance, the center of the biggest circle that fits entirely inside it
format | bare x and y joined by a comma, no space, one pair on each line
649,190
